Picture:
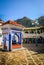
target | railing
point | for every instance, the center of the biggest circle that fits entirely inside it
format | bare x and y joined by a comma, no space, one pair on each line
28,35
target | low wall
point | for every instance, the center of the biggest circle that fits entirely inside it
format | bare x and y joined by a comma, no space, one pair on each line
33,47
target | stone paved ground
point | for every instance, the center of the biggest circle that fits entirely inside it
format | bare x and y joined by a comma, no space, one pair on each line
34,58
21,57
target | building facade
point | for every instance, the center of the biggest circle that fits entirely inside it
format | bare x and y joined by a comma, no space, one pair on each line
1,22
32,33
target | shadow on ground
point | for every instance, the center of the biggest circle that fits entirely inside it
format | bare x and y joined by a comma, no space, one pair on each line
32,47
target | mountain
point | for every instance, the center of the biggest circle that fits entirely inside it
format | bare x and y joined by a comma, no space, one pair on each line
0,19
41,21
28,22
25,21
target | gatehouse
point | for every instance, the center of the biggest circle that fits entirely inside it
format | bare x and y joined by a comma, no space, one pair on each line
12,35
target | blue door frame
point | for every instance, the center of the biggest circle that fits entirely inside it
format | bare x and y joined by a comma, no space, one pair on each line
9,42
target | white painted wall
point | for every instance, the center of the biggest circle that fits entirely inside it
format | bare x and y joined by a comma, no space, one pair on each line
0,40
0,37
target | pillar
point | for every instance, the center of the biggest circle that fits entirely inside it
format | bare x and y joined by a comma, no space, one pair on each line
20,38
4,41
36,41
10,43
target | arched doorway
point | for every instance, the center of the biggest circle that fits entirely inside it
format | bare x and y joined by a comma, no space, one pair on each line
16,40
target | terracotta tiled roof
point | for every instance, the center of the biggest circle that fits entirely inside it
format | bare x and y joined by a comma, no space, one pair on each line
13,23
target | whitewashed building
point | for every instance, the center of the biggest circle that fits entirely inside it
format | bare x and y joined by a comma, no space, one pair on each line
1,22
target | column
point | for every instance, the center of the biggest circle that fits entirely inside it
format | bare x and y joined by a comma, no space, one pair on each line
4,43
20,38
10,43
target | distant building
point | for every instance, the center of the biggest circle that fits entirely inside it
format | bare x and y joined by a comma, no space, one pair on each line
33,32
1,22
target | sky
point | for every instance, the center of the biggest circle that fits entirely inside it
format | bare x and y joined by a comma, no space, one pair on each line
16,9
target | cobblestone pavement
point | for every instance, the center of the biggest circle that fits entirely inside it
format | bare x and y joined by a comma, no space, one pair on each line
21,57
